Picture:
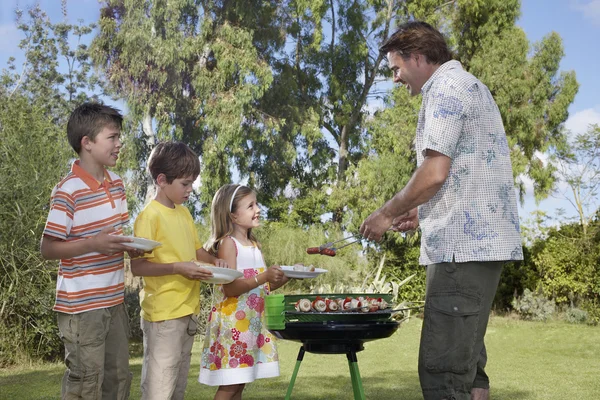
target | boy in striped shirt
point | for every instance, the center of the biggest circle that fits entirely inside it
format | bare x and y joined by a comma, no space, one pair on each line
88,210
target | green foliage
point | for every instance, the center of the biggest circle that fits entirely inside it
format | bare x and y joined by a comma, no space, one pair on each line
284,245
575,315
592,307
533,306
184,66
567,264
33,153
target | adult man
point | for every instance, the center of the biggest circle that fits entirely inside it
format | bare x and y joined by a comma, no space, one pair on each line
464,190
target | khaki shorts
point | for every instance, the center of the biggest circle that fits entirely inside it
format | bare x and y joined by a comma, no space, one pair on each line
96,354
167,355
452,353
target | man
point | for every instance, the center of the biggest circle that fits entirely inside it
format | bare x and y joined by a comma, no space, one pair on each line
464,190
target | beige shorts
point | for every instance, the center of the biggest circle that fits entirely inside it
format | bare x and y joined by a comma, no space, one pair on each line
96,354
167,355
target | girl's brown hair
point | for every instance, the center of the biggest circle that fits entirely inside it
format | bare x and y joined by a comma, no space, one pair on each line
221,221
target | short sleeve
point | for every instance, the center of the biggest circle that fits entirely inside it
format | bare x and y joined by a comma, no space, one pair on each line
124,208
447,109
60,217
145,227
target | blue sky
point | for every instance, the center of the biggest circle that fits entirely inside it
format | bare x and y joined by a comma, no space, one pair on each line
577,22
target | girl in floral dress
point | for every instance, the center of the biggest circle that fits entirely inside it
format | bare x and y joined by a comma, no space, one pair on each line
238,348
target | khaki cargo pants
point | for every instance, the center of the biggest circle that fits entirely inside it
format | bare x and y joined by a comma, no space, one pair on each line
452,354
96,354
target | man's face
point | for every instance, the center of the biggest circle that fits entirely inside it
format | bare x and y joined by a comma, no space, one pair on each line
409,72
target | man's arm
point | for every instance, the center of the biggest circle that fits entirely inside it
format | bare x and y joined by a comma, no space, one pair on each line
423,185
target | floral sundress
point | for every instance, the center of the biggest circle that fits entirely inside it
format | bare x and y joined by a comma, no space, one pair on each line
238,348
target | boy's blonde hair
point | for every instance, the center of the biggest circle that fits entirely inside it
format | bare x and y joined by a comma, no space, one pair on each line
222,223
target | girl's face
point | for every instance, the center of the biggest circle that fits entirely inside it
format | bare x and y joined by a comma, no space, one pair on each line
247,213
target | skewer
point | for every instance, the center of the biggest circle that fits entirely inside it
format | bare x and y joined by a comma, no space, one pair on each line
329,244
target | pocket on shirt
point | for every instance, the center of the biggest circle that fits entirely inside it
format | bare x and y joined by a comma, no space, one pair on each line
450,331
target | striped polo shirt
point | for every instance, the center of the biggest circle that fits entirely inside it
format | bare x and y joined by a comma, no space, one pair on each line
80,207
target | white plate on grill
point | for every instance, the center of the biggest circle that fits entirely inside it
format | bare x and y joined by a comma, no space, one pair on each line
141,243
290,272
221,276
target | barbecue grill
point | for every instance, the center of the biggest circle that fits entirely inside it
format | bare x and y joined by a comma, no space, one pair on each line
338,332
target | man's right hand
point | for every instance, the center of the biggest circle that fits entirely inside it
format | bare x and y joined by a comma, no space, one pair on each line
407,222
108,244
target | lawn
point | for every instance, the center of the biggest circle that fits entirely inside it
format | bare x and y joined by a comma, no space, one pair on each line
528,360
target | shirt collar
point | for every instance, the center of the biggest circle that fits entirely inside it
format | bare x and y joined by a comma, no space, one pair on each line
447,66
89,179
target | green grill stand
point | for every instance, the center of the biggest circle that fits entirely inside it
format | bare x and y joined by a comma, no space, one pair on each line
357,387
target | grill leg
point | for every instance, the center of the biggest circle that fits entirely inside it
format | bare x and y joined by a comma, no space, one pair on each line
293,380
359,393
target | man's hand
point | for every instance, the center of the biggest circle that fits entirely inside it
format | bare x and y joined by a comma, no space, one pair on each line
221,263
375,225
406,222
107,244
191,270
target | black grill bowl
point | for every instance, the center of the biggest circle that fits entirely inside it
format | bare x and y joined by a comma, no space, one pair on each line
335,337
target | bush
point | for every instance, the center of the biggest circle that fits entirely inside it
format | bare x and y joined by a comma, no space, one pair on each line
34,155
592,307
576,315
532,306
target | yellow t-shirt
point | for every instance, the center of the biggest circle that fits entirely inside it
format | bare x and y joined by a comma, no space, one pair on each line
169,296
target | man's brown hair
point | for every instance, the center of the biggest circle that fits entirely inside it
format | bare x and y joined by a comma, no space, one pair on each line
88,120
173,159
418,37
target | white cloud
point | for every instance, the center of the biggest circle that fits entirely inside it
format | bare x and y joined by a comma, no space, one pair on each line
579,122
590,9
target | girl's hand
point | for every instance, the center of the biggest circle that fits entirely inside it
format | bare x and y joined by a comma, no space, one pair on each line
221,263
191,270
275,275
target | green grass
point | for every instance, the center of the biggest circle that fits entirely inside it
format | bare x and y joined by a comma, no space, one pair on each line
527,360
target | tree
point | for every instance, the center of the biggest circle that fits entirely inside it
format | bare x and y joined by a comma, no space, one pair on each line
185,70
578,166
35,103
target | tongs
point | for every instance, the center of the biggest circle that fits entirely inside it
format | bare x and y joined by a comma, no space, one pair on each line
328,249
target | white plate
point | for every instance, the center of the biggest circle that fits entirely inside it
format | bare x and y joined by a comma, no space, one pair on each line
222,276
141,243
291,273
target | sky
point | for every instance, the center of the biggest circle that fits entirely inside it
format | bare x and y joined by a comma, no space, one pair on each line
576,21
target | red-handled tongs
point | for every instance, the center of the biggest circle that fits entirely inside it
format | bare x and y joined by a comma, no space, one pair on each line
327,249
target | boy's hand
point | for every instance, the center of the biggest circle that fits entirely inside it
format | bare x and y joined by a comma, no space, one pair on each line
135,253
221,263
191,270
107,244
275,274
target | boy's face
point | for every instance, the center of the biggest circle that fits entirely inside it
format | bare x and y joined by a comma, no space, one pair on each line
105,147
179,190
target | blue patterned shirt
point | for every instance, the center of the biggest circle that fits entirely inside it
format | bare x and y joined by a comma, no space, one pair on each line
473,217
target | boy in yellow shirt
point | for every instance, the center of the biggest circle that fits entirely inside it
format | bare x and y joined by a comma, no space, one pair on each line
171,293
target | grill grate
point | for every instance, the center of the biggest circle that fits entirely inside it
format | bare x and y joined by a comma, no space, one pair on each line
293,316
